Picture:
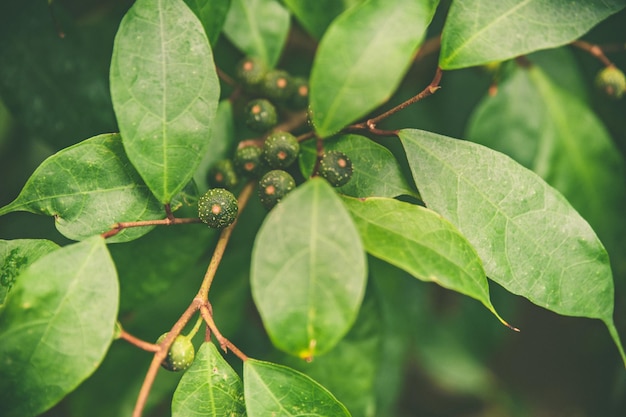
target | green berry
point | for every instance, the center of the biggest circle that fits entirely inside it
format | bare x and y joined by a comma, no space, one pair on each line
248,161
274,186
250,72
260,115
336,168
277,85
280,149
299,99
218,208
222,175
611,81
181,353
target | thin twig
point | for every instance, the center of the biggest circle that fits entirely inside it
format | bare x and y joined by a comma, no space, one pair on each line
142,344
160,355
118,227
225,77
594,50
224,343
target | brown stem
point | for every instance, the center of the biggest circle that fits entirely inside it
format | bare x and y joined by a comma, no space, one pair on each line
222,242
429,46
370,124
160,355
168,212
225,77
292,122
594,50
225,344
118,227
306,136
142,344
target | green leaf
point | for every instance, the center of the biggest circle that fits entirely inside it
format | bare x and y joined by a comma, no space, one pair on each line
56,327
363,51
482,31
258,28
89,187
531,240
221,143
548,130
315,16
210,387
376,170
212,15
15,256
275,390
422,243
308,270
165,92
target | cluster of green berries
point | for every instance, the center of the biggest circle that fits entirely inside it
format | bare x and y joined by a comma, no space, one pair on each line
181,354
273,88
269,162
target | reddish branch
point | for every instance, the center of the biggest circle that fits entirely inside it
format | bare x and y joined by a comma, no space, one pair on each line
200,302
595,50
118,227
142,344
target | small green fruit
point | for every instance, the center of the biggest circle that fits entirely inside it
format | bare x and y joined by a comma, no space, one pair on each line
248,161
280,149
336,168
299,99
260,115
181,353
218,208
274,186
277,85
250,72
611,81
222,175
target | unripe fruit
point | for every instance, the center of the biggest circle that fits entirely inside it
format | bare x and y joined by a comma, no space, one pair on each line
277,85
248,161
280,149
273,186
250,72
222,175
218,208
299,99
336,168
260,115
181,353
611,81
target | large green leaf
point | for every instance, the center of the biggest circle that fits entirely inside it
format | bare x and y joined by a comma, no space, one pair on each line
165,92
481,31
89,187
308,270
56,327
422,243
275,390
556,134
529,237
258,28
212,14
16,255
362,58
315,16
209,388
376,171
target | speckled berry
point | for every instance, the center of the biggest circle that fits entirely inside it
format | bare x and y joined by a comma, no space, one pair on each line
299,99
274,186
280,149
277,85
260,115
181,353
611,81
336,168
217,208
248,161
250,72
222,175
